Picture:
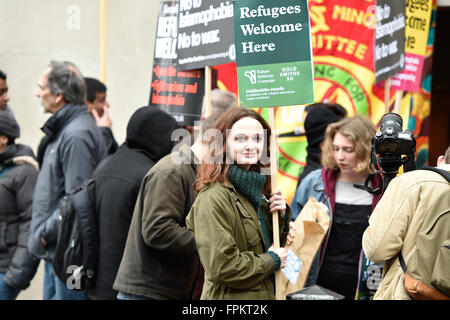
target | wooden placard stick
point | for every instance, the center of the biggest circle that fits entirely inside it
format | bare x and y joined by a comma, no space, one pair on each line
207,111
274,186
387,93
398,101
273,174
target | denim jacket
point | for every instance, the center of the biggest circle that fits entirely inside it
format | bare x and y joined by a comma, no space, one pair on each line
313,186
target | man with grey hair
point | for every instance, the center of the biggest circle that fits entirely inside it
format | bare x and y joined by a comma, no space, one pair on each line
74,149
222,100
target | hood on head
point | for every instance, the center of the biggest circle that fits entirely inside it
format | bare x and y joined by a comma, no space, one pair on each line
150,129
316,123
8,125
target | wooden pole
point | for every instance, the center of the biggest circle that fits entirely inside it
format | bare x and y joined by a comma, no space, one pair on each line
207,111
273,174
387,94
102,43
274,185
398,101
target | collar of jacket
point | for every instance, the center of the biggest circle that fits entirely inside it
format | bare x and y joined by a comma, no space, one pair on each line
61,117
15,155
13,151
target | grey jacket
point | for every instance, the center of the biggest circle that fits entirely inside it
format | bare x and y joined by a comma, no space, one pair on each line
18,173
74,150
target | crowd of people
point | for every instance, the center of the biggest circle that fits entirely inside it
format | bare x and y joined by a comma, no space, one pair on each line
187,221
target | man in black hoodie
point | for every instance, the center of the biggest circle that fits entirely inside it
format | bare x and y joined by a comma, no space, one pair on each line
319,116
118,179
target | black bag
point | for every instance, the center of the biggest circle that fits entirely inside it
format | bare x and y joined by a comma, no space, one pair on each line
76,252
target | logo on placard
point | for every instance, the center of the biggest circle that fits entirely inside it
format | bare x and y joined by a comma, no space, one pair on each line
251,75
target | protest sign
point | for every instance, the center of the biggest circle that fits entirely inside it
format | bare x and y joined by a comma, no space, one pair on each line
204,34
179,93
273,53
389,39
418,17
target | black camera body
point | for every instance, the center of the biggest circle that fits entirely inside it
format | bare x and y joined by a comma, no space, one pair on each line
390,144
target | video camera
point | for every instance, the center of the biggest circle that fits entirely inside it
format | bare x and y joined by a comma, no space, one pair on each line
390,144
390,149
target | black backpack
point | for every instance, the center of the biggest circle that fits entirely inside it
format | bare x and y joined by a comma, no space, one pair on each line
76,253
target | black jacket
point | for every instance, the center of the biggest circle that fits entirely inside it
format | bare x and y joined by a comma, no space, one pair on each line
18,174
118,179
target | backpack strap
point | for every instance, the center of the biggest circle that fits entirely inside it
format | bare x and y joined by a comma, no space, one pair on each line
443,173
402,261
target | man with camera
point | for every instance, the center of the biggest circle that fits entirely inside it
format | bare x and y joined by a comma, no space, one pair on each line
395,224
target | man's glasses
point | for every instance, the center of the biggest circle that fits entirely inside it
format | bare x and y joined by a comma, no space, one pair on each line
3,91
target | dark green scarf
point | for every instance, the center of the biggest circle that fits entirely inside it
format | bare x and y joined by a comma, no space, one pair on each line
250,184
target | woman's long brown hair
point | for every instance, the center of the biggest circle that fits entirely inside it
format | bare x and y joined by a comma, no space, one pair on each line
212,171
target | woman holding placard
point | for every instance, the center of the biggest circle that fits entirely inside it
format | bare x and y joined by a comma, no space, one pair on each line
340,263
231,216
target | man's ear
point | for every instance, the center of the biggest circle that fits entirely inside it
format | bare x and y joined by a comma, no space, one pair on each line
440,161
88,105
3,142
59,99
3,139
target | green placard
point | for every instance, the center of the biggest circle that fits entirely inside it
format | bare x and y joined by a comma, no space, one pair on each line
273,53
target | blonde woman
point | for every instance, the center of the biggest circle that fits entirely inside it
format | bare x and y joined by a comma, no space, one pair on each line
340,264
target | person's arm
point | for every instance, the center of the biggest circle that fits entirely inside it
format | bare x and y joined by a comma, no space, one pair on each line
388,223
23,266
224,264
163,213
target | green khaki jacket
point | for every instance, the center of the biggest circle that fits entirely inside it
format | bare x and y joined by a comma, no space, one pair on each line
160,259
230,244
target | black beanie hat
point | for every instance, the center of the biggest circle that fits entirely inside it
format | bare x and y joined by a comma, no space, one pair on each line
316,122
8,125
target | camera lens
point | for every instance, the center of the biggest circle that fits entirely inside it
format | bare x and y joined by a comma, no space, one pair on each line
391,123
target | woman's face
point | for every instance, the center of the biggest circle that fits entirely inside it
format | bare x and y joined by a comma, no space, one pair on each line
245,142
344,153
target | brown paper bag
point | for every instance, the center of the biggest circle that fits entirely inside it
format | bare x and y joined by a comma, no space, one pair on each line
312,224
